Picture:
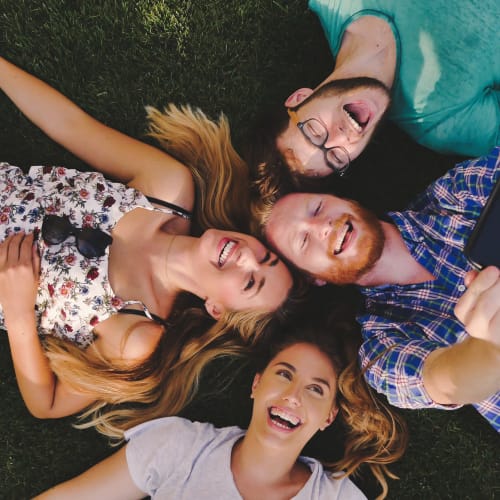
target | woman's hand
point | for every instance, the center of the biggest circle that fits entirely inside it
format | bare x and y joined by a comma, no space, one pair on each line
479,307
44,395
19,273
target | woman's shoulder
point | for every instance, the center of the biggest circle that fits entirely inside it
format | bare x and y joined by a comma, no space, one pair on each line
128,339
180,432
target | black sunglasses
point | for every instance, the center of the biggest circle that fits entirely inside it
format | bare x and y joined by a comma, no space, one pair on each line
91,242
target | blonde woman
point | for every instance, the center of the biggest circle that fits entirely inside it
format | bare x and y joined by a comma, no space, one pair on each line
306,381
97,267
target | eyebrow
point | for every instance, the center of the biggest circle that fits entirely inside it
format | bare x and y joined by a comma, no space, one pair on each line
294,370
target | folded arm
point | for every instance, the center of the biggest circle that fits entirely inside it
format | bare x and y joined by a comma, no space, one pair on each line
44,395
148,169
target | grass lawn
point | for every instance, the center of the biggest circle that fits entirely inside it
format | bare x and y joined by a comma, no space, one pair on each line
113,57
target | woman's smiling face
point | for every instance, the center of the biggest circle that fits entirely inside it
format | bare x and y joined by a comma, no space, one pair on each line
294,396
237,272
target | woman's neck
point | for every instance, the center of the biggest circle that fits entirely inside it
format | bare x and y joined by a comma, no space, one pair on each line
261,470
176,262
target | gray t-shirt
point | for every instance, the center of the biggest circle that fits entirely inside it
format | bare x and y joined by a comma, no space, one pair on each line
174,458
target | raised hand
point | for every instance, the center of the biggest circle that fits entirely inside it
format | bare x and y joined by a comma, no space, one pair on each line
479,307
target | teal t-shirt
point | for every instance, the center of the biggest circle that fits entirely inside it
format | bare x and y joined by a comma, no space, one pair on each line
446,93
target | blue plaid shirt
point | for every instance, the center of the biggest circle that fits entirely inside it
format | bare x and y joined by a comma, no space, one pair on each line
402,324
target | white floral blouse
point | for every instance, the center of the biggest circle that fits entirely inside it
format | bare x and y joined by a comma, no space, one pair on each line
74,291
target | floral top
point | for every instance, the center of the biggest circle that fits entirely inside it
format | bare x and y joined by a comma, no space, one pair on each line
74,291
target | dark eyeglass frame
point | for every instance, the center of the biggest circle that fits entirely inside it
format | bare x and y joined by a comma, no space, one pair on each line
340,171
90,242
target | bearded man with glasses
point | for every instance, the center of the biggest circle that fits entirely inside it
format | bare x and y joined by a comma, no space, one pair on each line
432,66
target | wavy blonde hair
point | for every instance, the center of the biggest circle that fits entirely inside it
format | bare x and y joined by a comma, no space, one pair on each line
374,433
220,176
166,382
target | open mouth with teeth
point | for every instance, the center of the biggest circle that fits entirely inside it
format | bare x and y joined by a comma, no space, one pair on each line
358,115
343,238
227,247
283,419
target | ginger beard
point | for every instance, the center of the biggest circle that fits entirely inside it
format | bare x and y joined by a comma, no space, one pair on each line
370,244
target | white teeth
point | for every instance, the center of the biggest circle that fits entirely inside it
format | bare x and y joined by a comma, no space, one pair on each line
292,419
226,250
341,238
353,122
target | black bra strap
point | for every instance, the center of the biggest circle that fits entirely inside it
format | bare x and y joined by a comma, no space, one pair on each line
179,211
138,312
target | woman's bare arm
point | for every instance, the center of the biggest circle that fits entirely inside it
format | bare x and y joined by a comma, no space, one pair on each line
44,395
148,169
109,479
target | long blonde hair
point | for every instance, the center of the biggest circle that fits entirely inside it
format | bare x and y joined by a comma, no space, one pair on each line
166,382
220,176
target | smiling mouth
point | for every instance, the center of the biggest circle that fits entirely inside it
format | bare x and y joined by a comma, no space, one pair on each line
358,115
284,419
227,249
343,238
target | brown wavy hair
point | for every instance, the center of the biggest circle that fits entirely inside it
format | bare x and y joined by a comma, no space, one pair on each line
375,434
167,381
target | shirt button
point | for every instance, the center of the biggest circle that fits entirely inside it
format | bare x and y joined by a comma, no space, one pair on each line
461,288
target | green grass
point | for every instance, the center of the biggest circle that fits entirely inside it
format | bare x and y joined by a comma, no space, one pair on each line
114,57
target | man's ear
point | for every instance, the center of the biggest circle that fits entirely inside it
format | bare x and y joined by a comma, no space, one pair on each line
215,309
331,417
297,97
255,383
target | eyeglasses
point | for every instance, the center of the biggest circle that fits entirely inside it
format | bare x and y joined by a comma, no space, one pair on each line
90,242
336,157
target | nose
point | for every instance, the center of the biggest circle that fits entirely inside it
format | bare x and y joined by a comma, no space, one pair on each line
247,260
339,135
321,227
292,396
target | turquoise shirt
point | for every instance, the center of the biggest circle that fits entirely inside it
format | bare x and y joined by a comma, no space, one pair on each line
446,93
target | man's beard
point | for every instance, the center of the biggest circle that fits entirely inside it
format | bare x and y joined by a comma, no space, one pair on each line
369,245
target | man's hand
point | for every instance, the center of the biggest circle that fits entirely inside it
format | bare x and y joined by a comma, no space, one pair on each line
19,273
479,307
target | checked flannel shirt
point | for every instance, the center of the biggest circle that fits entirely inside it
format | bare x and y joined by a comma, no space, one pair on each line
402,324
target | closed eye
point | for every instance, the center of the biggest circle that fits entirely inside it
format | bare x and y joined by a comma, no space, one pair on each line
318,209
304,241
250,283
266,257
313,129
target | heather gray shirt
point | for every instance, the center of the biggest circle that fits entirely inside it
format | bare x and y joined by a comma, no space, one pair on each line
174,458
